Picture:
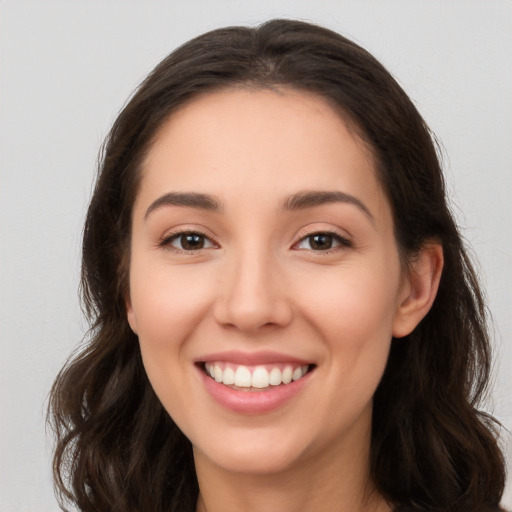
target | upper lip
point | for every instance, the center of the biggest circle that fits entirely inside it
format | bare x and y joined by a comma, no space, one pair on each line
251,358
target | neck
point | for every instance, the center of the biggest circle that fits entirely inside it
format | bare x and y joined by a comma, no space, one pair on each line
337,482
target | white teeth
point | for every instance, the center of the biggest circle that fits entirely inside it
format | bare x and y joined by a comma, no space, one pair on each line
299,372
296,375
229,376
243,377
275,377
217,373
260,378
256,377
287,375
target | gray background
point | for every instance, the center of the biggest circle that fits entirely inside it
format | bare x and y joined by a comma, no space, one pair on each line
66,68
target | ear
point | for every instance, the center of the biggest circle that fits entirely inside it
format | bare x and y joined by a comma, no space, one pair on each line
130,314
419,289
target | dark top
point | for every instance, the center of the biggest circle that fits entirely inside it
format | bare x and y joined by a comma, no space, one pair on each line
404,508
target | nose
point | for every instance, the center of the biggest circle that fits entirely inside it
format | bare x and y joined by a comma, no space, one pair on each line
252,295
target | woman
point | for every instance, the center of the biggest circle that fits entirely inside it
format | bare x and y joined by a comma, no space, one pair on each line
283,313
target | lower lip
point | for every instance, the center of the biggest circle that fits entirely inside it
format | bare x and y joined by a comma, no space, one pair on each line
253,402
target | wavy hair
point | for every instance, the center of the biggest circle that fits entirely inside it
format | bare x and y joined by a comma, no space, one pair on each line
117,449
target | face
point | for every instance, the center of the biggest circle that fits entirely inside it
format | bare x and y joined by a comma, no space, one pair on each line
265,281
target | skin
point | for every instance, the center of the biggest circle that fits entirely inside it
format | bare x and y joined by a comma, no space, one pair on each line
259,283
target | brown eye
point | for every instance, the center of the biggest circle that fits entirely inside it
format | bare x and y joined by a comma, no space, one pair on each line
188,241
191,241
323,242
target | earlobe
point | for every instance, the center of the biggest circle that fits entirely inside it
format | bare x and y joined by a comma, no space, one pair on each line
130,315
420,290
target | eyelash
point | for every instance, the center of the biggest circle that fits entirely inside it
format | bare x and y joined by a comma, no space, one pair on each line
342,242
167,241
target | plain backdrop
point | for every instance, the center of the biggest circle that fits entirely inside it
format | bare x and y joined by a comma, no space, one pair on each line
66,68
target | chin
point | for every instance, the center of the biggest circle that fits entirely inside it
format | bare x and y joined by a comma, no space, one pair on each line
252,457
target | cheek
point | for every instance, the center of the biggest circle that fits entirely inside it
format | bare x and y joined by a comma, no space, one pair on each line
167,303
353,313
353,305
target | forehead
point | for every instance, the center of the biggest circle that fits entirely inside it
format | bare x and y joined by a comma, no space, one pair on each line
261,141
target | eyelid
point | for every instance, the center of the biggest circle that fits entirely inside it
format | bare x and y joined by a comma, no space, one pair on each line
343,242
167,239
165,242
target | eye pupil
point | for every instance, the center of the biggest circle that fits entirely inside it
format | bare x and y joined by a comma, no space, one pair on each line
191,241
321,241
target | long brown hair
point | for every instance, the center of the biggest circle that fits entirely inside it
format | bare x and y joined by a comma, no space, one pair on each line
117,449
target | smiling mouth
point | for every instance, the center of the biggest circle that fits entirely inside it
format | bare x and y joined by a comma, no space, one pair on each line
255,378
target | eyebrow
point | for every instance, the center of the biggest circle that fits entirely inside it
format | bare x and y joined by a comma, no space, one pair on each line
298,201
186,199
310,199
